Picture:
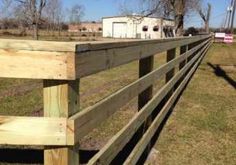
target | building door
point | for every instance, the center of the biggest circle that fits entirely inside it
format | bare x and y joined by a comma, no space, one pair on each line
120,30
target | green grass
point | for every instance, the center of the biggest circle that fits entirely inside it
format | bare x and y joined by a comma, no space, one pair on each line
202,129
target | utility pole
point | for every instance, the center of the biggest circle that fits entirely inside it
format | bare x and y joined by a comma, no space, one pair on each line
226,20
230,9
233,15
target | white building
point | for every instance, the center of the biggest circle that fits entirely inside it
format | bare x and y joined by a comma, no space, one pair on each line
135,26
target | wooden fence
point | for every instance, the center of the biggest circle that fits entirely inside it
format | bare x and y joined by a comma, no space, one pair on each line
61,65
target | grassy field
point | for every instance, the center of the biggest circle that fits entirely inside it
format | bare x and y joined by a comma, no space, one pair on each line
51,35
202,129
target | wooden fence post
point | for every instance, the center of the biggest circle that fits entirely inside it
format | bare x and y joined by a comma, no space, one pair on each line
146,66
61,99
183,49
190,46
170,56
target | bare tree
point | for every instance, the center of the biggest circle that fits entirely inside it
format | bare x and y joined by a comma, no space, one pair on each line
205,15
31,11
131,7
54,14
4,8
5,12
176,9
124,10
75,13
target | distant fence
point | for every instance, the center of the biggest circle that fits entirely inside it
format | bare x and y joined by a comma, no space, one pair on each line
61,65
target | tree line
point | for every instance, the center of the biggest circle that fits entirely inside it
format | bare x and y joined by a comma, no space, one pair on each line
35,14
49,14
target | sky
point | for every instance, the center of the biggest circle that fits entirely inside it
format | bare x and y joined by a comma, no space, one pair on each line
96,9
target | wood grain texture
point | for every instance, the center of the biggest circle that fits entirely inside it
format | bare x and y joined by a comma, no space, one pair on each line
112,148
32,45
140,147
33,131
91,117
36,64
71,60
61,99
145,67
92,60
58,62
94,46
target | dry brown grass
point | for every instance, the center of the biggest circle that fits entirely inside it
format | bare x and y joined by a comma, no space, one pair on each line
51,35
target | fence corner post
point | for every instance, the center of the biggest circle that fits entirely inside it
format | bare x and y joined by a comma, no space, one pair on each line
61,99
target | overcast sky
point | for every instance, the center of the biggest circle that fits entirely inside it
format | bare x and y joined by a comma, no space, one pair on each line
96,9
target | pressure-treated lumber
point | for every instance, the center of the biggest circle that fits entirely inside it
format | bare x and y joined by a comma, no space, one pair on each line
141,145
145,66
183,49
91,117
53,46
170,56
33,131
108,152
61,99
190,46
62,64
92,60
95,46
69,61
36,64
32,45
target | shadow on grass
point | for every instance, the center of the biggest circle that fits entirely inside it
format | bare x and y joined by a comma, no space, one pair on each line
36,156
221,73
125,152
33,156
159,130
156,136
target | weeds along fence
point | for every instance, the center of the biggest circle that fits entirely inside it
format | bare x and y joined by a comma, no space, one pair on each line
61,65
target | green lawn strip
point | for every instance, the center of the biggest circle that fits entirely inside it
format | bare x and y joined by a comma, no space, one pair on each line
202,128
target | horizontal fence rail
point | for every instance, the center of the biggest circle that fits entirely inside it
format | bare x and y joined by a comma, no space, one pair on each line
111,149
90,117
33,131
61,65
70,61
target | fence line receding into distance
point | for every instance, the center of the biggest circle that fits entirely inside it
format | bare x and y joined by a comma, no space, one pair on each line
61,65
